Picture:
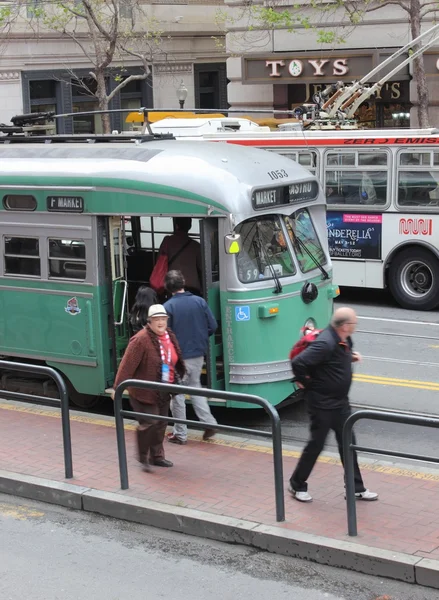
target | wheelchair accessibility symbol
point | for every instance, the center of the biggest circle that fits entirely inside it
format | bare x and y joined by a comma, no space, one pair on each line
242,313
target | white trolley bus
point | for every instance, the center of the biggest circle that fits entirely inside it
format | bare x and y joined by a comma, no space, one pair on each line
382,189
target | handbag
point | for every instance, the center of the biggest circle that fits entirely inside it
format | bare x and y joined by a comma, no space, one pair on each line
161,267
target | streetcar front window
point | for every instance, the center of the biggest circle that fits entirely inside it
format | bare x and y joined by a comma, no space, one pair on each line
264,252
305,241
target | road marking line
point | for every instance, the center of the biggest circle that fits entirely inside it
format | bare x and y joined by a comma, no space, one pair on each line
387,320
410,383
244,445
404,361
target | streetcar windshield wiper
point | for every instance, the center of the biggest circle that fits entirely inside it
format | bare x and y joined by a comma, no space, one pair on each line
301,244
278,285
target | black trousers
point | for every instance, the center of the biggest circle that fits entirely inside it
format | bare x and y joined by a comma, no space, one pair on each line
322,421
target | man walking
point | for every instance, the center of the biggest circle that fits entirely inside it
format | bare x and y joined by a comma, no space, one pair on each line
192,321
324,370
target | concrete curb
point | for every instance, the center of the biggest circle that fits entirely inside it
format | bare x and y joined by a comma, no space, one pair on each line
323,550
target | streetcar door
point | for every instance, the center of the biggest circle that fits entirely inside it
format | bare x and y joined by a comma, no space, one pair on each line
211,292
119,285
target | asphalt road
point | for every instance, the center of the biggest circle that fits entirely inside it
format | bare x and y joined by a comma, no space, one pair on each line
51,553
399,371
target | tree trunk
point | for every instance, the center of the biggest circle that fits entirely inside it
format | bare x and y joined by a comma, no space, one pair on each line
418,66
101,93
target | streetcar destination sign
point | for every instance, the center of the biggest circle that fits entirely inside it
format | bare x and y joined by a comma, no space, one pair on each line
73,204
305,191
269,197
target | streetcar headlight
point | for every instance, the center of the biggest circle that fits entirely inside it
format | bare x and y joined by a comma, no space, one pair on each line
310,325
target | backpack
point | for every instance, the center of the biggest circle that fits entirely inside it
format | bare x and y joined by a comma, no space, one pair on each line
308,336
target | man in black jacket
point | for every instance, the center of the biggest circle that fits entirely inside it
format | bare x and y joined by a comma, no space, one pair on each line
324,370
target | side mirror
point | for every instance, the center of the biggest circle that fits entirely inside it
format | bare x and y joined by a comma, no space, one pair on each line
232,243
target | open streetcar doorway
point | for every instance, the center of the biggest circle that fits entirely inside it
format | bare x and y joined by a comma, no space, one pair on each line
133,249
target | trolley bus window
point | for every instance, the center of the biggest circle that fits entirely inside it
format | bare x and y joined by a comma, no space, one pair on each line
264,250
353,178
22,256
306,159
67,259
417,187
299,225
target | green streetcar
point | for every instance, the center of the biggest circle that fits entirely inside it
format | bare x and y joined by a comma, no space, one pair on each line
81,224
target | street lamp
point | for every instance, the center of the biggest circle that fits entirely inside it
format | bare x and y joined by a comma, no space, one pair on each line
182,94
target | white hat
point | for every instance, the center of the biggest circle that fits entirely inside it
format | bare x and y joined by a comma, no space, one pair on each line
157,310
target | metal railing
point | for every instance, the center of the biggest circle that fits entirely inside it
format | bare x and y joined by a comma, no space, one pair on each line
63,402
275,434
349,448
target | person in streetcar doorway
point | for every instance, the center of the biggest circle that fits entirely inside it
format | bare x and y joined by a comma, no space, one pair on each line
153,354
145,298
324,370
193,322
184,253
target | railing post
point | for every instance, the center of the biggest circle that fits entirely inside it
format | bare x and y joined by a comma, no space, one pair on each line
65,421
278,464
63,400
120,434
348,459
276,432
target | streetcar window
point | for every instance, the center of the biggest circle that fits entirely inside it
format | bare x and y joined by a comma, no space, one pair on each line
19,202
67,259
264,250
305,240
22,256
418,188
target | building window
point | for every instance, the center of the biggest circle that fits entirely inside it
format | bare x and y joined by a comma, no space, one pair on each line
42,94
130,100
22,256
84,100
210,86
67,259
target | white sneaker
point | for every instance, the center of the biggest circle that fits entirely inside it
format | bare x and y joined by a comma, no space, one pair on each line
367,496
300,496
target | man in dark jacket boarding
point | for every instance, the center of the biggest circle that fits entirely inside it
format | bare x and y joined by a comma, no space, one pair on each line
192,321
324,370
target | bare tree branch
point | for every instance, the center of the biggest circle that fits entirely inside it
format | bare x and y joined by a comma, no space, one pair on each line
95,19
74,37
125,82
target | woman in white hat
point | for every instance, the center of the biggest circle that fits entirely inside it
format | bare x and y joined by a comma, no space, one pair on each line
153,354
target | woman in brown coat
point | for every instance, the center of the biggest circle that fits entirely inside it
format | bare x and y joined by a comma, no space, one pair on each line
153,354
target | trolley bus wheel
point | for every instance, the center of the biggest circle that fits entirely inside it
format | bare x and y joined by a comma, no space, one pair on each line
414,279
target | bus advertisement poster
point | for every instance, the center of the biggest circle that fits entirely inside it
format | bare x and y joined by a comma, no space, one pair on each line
354,235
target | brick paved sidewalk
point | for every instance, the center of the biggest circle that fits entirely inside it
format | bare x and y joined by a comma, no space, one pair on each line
228,478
